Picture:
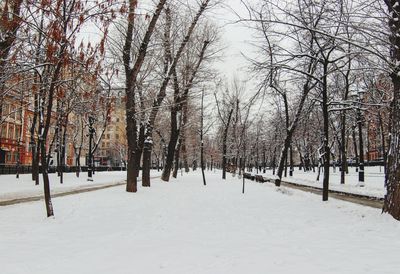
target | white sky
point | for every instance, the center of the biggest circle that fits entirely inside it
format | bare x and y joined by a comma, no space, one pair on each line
235,36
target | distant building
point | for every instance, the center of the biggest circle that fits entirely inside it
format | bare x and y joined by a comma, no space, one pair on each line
17,114
377,118
113,147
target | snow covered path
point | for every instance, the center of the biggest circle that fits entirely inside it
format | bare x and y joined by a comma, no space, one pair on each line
184,227
12,188
374,180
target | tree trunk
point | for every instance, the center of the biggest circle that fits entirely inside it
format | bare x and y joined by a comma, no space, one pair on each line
383,140
139,149
282,158
174,134
290,130
343,154
131,78
185,158
183,137
77,165
63,150
131,180
176,160
274,163
291,161
319,169
46,182
201,138
35,163
302,162
177,163
392,181
224,145
360,140
146,163
132,167
33,142
355,146
326,150
264,160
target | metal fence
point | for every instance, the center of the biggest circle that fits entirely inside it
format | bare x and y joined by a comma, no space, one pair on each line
12,169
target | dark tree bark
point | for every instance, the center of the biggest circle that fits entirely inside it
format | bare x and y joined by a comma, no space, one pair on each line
182,123
78,150
392,182
291,167
35,146
302,162
46,182
131,79
63,149
33,143
45,125
146,163
201,138
383,140
176,158
361,146
355,147
274,159
290,129
174,133
325,142
224,145
183,137
140,148
343,153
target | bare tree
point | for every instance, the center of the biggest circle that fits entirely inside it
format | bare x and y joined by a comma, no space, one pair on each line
392,182
131,74
169,72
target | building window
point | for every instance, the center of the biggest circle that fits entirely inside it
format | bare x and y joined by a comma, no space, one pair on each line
18,115
13,111
17,132
117,136
5,109
10,134
9,157
4,130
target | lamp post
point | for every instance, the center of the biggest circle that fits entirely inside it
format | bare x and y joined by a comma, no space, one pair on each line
90,160
361,143
18,156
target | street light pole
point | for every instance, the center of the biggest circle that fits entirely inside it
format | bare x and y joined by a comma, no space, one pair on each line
18,156
361,145
90,160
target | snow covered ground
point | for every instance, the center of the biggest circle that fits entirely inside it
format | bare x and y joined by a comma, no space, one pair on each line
374,180
185,227
12,188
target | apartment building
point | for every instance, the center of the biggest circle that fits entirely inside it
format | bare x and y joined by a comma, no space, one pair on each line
113,147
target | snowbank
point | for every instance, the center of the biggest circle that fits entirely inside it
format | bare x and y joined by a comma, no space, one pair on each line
184,227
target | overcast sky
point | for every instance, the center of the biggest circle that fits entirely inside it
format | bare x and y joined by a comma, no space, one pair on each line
235,37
